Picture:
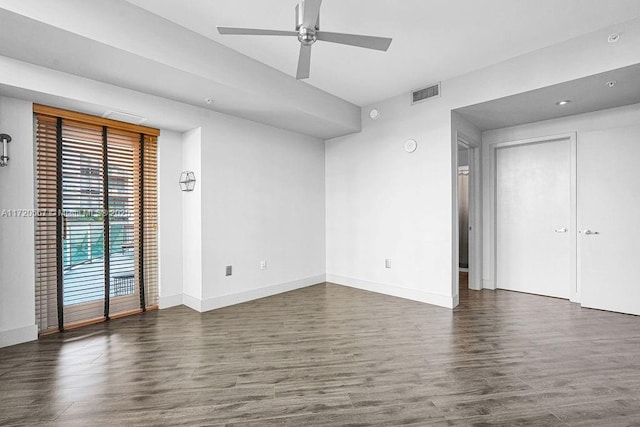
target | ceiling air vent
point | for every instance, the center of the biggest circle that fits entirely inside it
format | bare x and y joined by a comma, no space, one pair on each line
432,91
124,117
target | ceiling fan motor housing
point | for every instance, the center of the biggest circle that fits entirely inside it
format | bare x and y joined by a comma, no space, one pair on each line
300,18
307,36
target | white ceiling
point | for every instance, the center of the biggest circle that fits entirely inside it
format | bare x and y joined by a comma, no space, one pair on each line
587,94
432,40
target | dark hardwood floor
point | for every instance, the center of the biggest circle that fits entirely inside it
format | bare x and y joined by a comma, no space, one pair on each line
331,355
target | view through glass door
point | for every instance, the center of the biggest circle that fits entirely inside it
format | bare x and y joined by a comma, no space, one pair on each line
89,269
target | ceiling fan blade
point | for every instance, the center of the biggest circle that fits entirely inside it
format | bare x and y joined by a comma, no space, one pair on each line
304,62
311,11
254,32
369,42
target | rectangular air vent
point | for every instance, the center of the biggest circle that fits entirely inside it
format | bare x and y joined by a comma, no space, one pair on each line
432,91
121,116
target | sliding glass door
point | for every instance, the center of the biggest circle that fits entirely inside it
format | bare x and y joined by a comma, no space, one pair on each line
99,205
102,182
83,222
125,207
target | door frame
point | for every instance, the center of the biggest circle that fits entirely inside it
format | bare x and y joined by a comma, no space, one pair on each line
475,213
491,184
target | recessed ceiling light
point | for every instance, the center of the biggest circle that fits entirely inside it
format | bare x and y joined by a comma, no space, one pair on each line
563,102
374,114
611,83
208,100
614,37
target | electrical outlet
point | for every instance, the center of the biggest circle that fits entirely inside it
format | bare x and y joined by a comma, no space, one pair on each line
263,265
229,270
387,263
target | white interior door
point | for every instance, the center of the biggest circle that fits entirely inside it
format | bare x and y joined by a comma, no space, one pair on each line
533,217
609,206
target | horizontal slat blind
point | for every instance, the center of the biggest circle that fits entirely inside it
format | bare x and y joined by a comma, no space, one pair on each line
150,214
46,199
96,233
83,221
123,149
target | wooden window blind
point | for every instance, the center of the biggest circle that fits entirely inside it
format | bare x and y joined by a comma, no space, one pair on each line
96,228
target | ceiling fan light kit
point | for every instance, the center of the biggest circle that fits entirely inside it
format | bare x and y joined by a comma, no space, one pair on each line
307,30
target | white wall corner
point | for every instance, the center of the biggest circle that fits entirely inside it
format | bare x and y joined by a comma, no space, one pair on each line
170,301
238,298
410,294
18,336
192,302
488,284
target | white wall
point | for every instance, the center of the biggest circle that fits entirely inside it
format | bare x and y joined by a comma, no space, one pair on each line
259,196
192,220
17,263
383,202
262,199
170,218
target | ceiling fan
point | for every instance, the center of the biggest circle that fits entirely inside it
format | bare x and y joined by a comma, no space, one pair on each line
308,32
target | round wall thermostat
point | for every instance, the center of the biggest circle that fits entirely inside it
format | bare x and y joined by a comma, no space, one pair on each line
374,114
410,145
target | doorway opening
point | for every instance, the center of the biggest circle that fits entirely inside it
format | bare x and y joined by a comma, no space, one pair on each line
463,215
468,197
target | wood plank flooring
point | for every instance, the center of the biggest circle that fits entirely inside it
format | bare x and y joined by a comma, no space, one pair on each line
331,355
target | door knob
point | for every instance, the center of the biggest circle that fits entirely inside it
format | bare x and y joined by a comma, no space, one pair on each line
588,232
561,230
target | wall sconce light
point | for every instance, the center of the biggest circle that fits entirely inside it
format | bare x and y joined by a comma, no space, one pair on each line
4,158
187,181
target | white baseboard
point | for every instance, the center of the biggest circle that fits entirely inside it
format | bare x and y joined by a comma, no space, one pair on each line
246,296
192,302
486,284
18,336
411,294
170,301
